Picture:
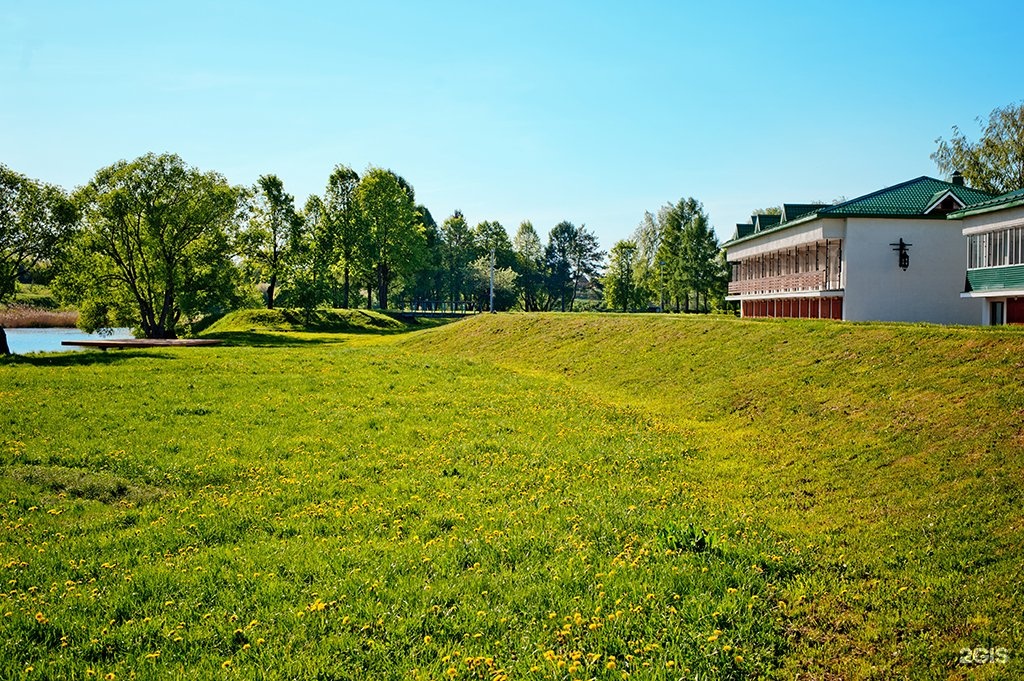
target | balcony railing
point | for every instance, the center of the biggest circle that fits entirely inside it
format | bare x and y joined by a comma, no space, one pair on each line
783,283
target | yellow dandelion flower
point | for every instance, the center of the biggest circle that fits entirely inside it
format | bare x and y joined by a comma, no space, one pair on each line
427,639
226,664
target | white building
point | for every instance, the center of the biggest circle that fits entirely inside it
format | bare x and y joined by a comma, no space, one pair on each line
995,257
891,255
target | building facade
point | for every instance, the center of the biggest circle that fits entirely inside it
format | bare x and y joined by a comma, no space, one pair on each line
994,230
892,255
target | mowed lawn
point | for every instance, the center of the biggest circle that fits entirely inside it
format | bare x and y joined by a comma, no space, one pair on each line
520,496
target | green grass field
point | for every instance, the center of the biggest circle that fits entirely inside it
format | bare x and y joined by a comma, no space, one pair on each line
518,496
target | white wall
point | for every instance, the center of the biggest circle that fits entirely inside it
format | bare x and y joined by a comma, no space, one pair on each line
929,291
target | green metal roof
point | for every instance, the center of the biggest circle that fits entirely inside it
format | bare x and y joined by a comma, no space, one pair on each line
909,199
905,200
743,230
791,211
995,279
1008,200
762,221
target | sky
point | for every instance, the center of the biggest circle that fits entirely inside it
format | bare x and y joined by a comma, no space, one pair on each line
592,112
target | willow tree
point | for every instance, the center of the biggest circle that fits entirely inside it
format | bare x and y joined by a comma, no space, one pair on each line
154,247
995,162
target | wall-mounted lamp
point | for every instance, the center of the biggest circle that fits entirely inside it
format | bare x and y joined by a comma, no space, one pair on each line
903,249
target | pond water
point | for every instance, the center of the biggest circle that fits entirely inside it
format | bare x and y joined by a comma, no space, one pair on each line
24,341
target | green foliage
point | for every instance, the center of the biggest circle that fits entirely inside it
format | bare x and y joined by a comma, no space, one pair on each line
676,537
529,267
622,288
35,221
271,236
457,252
394,238
344,231
154,250
995,163
573,260
688,257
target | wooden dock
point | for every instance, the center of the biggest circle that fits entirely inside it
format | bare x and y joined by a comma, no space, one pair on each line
123,343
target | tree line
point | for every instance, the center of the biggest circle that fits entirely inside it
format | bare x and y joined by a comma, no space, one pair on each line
154,243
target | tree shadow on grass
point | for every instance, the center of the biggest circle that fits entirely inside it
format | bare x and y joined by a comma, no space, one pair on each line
81,358
270,339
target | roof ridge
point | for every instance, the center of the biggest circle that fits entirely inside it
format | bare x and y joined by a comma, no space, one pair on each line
879,192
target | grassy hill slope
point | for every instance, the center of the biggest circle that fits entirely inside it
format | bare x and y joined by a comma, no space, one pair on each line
893,452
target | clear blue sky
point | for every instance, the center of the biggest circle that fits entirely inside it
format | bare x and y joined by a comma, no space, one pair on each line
585,111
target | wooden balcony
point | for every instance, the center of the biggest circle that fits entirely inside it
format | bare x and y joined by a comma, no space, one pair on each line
783,283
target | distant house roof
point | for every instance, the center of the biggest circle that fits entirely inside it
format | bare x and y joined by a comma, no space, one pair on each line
910,199
743,230
1007,200
791,211
763,221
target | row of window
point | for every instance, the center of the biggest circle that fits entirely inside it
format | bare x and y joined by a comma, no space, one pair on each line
996,249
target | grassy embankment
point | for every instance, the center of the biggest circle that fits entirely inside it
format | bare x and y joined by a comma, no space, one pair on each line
549,496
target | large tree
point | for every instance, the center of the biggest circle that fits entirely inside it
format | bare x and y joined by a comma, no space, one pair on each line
154,247
529,267
995,163
270,232
35,219
312,255
620,280
395,238
457,252
648,269
573,259
342,216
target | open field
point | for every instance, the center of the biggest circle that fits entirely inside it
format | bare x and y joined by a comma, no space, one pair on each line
518,496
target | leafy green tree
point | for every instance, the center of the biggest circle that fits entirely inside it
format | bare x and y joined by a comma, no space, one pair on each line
671,218
428,281
35,220
647,267
312,256
342,221
505,286
558,263
585,258
573,259
491,235
621,288
700,251
154,248
269,234
395,239
995,163
457,252
529,267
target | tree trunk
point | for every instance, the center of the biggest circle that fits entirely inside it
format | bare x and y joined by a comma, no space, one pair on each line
344,295
5,349
270,291
382,286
